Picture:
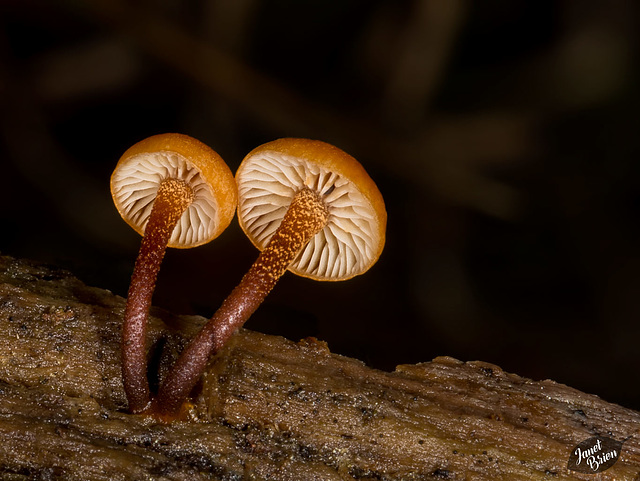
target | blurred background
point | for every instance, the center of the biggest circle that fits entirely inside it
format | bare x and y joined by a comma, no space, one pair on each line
502,134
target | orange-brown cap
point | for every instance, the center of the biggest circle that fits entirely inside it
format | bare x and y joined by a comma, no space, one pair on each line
141,169
354,236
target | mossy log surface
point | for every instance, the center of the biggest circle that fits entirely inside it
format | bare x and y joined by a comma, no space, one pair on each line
269,408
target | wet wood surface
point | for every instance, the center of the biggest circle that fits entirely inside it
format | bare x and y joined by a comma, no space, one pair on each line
270,408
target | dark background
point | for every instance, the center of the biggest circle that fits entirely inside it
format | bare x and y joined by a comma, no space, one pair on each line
502,134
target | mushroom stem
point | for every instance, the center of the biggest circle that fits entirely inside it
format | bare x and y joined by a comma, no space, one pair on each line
173,198
306,216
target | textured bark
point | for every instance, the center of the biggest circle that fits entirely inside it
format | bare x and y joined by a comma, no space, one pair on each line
268,408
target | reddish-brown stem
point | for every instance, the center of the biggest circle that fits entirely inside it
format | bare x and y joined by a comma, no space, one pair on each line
173,198
306,215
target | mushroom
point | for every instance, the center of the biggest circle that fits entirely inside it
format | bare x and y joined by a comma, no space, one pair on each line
176,192
310,208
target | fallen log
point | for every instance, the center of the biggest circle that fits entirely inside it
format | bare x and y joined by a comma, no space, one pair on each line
269,408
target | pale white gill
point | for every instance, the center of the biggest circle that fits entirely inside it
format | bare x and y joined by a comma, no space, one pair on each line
136,182
350,242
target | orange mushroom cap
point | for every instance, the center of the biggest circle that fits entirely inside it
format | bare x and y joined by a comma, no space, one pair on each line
354,236
142,168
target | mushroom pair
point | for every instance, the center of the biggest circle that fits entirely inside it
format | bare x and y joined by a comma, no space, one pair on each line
310,208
